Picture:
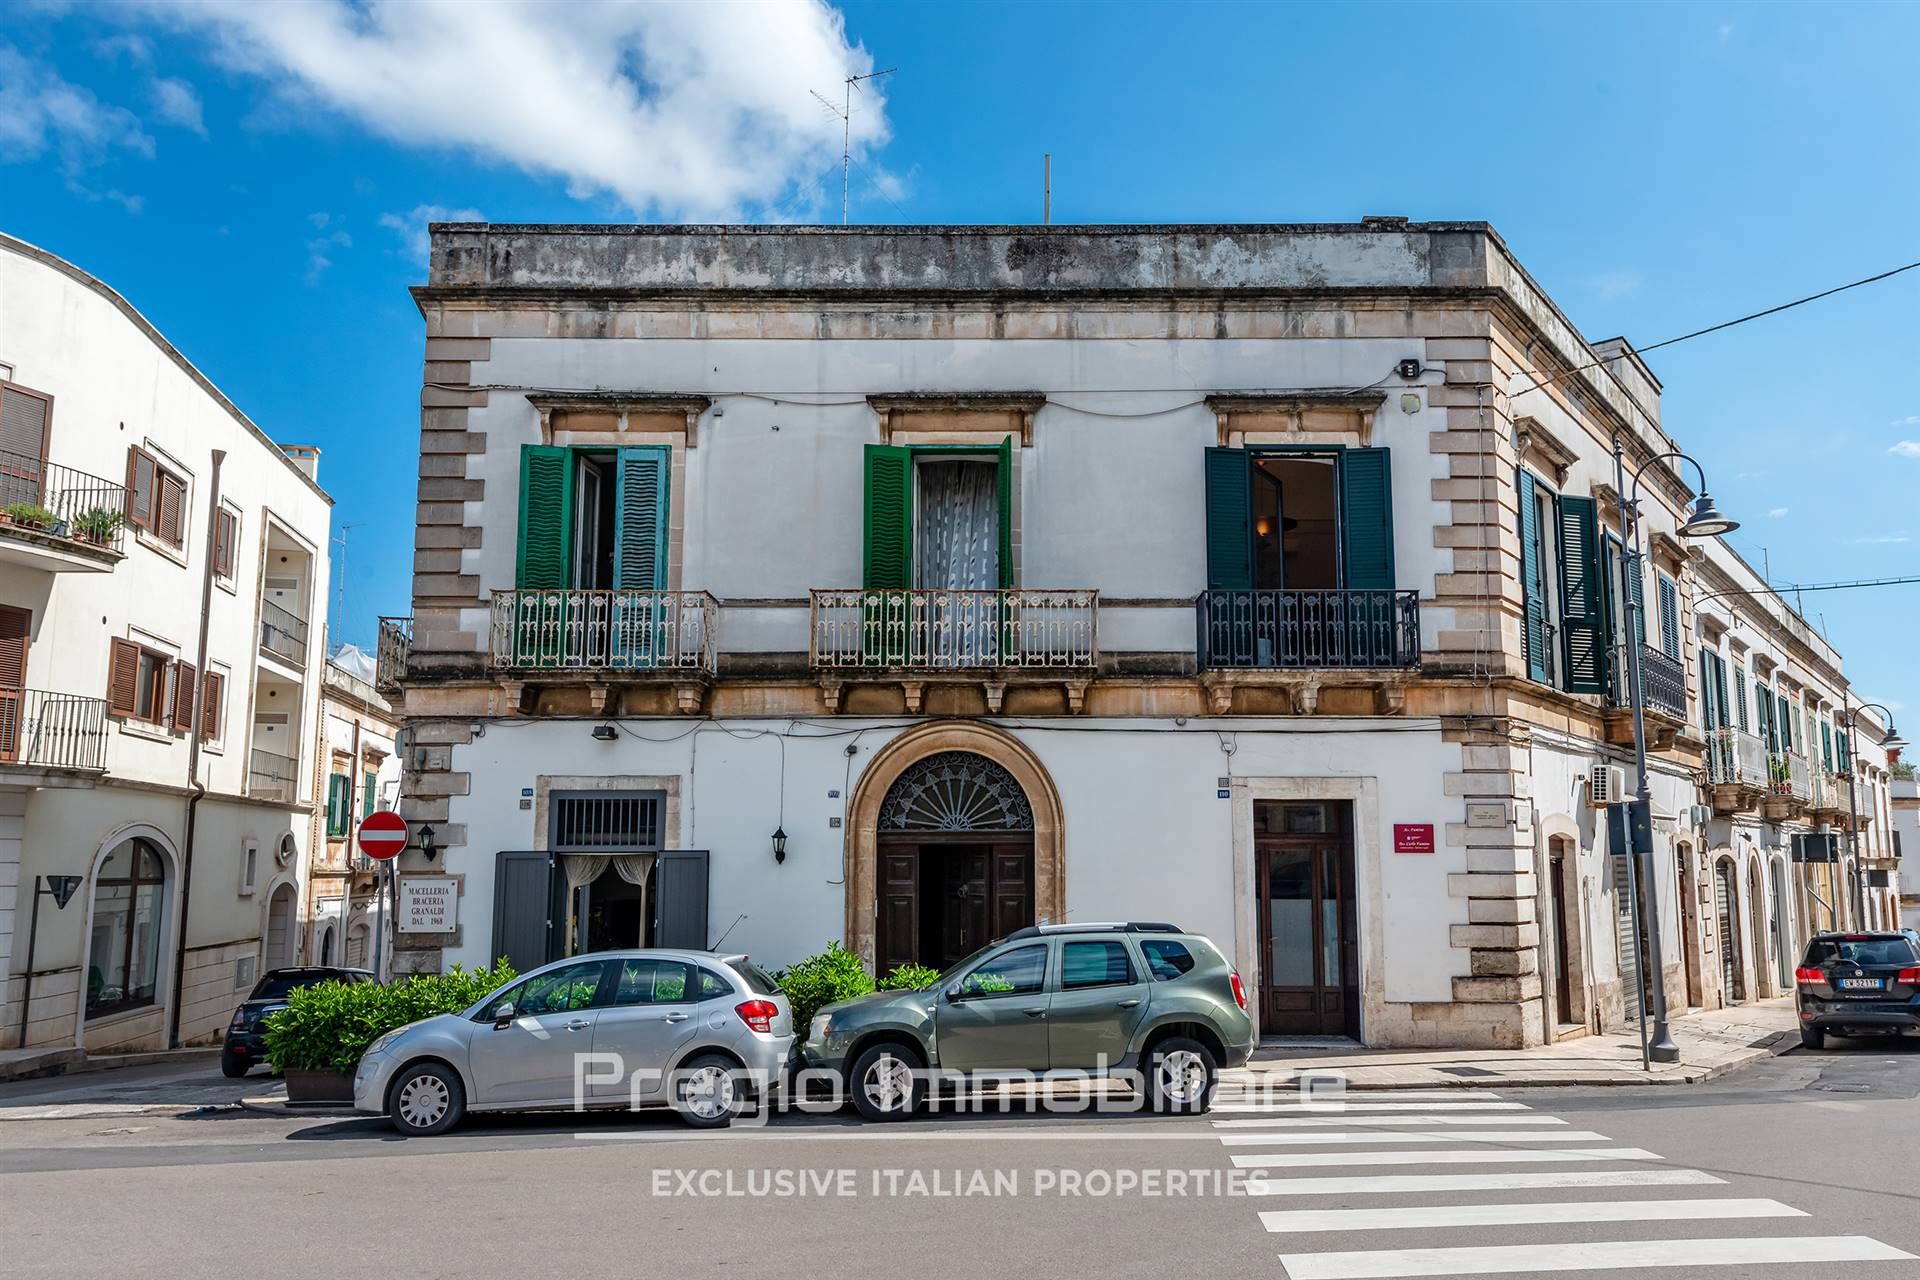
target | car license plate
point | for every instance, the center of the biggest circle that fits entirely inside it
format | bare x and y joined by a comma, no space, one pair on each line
1859,984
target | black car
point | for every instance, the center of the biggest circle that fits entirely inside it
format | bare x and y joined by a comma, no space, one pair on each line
1857,983
246,1037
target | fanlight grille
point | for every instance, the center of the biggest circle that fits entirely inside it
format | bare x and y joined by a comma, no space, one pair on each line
956,791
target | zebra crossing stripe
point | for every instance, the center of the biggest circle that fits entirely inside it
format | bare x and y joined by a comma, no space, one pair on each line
1480,1260
1309,1137
1334,1159
1409,1217
1291,1089
1399,1183
1382,1122
1288,1106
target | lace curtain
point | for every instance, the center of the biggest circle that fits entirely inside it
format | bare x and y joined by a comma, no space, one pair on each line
957,544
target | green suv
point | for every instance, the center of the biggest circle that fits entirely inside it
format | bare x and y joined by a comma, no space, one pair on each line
1149,1003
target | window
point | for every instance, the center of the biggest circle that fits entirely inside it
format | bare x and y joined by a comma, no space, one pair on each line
213,706
339,804
123,951
369,790
249,867
1669,598
938,517
1018,972
25,416
156,497
1095,964
1740,697
593,518
1560,567
1166,959
560,990
138,683
226,542
644,981
1860,951
1299,519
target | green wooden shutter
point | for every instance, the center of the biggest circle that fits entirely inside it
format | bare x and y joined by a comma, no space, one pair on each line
1583,621
640,519
546,517
1706,690
1366,516
1229,520
1826,745
1005,477
1786,725
338,785
1637,587
1846,751
1533,581
1740,697
1720,691
889,496
1669,615
367,793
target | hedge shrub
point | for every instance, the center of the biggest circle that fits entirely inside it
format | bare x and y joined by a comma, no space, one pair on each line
326,1027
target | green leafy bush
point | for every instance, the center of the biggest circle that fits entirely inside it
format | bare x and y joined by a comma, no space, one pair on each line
834,974
326,1027
31,513
909,977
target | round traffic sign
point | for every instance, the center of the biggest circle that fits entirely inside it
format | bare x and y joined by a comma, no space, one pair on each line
383,834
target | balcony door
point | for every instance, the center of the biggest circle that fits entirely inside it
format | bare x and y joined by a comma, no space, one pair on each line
16,633
1309,932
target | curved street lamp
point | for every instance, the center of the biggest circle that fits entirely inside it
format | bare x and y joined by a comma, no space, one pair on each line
1704,520
1850,716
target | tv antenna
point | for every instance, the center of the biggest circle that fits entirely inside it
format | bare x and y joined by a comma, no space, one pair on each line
845,113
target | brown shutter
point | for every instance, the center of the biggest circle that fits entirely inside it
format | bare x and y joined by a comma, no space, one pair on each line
172,502
123,678
16,629
140,478
24,417
183,681
210,706
226,529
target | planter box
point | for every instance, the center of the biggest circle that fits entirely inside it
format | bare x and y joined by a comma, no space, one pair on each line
318,1086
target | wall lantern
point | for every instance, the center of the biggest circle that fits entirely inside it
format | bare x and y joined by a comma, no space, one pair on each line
779,844
427,850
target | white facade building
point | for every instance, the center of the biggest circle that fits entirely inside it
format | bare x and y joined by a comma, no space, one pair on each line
1256,578
360,774
146,622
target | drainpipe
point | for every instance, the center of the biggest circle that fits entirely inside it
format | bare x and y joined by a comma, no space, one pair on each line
195,789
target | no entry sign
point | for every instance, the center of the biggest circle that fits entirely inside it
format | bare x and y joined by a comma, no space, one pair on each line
383,834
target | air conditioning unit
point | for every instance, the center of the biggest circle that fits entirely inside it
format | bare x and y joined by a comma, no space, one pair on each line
1606,784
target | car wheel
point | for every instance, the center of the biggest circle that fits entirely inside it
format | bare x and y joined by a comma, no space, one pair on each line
1180,1076
886,1084
231,1067
1812,1038
426,1099
709,1091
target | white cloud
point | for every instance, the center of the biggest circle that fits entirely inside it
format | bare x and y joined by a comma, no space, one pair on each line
176,103
40,112
1616,284
1911,420
411,227
1906,449
1881,539
678,110
321,248
1775,513
136,49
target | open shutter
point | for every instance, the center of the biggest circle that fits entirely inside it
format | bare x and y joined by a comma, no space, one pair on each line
680,900
1533,582
888,561
210,706
1826,745
1706,690
1719,692
640,541
1366,517
1785,729
16,630
1229,520
24,416
1637,589
171,515
1669,615
184,677
1005,476
546,517
1740,698
123,677
141,474
1583,621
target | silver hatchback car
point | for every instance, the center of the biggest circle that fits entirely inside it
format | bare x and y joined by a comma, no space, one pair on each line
700,1032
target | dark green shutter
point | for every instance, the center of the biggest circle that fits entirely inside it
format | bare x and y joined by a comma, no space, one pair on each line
1583,620
1637,586
1740,696
1706,690
1533,581
1720,691
546,517
889,496
1366,515
1826,745
1229,520
1786,725
338,786
1669,615
1005,477
640,519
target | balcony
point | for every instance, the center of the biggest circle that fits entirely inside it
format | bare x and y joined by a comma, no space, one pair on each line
392,650
1737,768
63,732
57,519
1663,688
272,777
1308,630
1828,798
1789,785
282,634
604,632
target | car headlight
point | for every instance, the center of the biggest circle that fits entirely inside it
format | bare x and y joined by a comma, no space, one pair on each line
383,1044
817,1031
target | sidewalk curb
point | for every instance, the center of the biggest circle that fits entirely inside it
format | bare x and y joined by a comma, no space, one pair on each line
75,1062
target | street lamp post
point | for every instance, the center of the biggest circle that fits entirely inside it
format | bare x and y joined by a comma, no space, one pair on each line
1704,521
1850,716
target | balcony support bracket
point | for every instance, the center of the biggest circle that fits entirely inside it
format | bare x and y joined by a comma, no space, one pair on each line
1077,696
996,693
688,697
830,694
915,692
603,697
513,697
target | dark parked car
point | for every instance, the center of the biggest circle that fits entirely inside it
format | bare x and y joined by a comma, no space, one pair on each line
1098,999
1857,983
245,1044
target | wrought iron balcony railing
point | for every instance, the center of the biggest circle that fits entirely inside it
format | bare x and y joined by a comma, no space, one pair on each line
48,498
1663,681
933,630
568,629
1737,757
52,730
1309,630
1788,774
271,776
392,650
282,633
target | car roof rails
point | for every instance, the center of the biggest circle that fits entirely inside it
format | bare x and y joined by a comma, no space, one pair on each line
1097,926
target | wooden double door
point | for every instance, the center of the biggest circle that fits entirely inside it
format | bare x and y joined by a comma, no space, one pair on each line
1309,937
942,898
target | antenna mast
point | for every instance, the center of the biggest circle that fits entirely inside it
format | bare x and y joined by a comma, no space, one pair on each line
845,112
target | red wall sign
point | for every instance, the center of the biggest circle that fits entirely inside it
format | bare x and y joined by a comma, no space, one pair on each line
1413,837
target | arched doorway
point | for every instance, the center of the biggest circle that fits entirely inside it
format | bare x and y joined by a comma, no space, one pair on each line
1727,923
1783,948
956,861
1760,948
280,929
326,945
1688,913
989,806
128,918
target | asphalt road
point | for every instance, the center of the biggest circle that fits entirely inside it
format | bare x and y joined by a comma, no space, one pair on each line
1805,1165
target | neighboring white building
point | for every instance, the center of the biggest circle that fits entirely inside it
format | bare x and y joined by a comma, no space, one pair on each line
361,774
1257,578
113,554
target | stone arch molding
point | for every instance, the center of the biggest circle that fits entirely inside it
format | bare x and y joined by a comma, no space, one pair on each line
907,750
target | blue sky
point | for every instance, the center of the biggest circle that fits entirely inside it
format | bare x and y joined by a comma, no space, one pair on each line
254,178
